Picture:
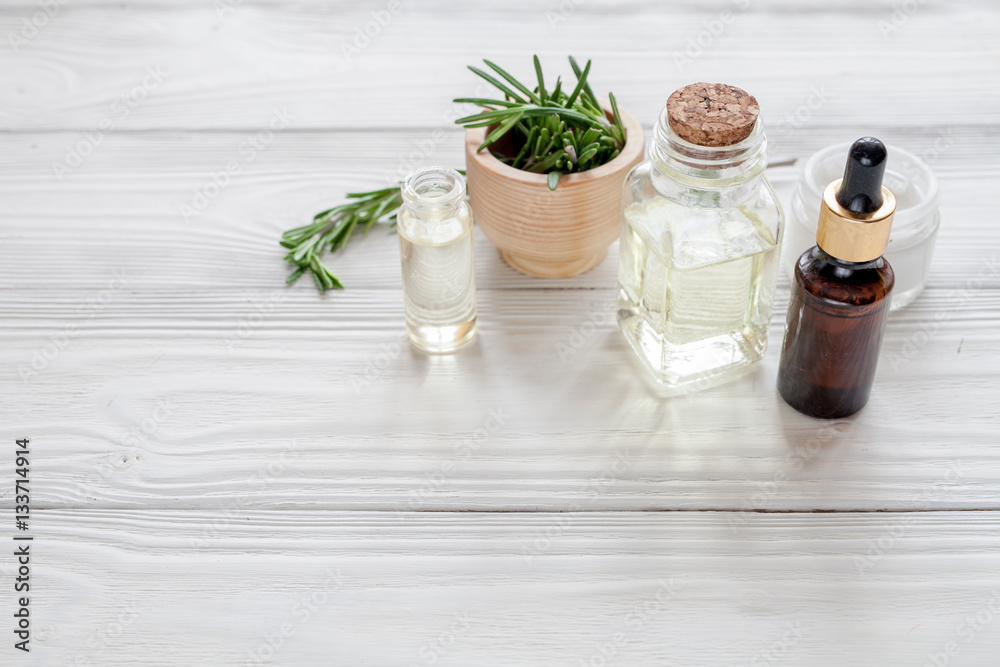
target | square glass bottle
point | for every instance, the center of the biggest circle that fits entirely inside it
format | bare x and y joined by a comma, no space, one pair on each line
700,237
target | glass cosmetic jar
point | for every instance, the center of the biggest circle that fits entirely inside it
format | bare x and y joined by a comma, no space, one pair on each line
914,228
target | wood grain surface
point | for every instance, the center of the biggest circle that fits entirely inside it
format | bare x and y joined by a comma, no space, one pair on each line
457,589
213,452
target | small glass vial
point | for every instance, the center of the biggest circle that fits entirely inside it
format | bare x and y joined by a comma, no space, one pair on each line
701,228
842,293
435,246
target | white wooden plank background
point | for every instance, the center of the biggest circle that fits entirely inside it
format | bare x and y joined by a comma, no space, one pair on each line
319,588
207,444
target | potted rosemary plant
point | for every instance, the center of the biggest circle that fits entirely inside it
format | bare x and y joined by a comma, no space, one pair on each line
545,168
548,190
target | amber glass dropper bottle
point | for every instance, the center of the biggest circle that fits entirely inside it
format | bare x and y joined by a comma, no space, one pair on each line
840,299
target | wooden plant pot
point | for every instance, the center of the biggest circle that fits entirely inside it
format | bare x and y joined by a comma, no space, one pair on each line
550,233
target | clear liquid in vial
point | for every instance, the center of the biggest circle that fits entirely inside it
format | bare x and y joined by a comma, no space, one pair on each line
439,289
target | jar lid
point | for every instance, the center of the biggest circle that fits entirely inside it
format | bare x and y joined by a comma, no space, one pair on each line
908,177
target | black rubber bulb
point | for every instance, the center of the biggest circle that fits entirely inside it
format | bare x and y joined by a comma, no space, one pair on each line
861,189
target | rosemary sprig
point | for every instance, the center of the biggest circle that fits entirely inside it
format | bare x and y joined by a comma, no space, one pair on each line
332,229
552,132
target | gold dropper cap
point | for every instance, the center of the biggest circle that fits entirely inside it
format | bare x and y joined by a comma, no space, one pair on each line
850,236
855,217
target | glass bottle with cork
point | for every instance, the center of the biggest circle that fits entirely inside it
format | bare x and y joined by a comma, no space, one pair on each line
701,228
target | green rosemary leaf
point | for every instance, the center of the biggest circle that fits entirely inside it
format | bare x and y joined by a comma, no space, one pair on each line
618,116
590,136
548,162
506,91
588,91
321,214
543,145
321,274
344,236
333,279
304,250
490,117
295,275
512,81
587,154
484,123
383,207
501,130
308,230
581,81
318,280
541,81
553,115
480,101
558,114
529,142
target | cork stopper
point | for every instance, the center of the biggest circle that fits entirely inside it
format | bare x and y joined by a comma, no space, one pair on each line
712,114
